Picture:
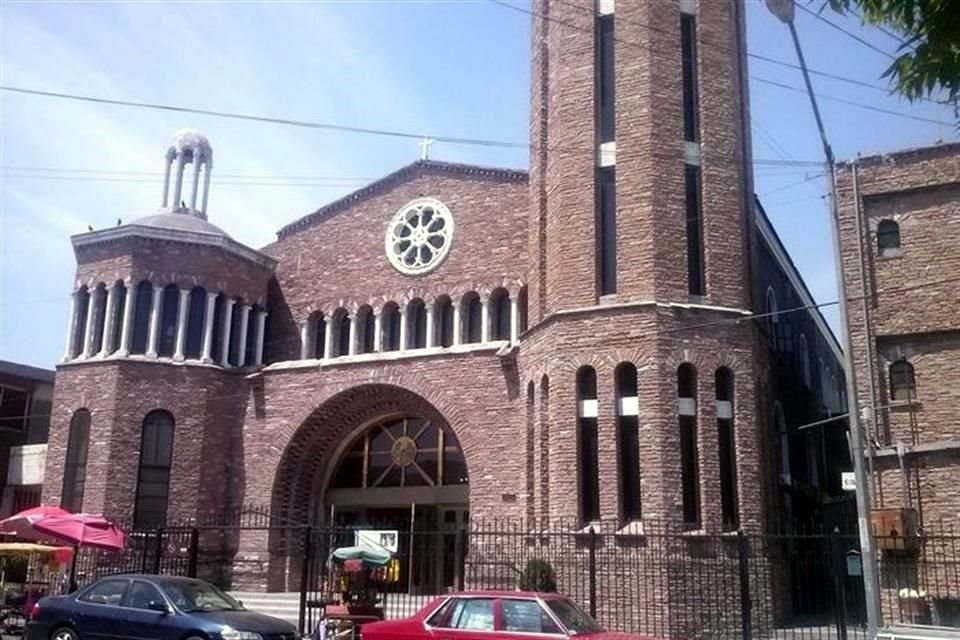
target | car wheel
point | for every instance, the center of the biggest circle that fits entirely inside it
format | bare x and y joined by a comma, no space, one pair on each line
64,633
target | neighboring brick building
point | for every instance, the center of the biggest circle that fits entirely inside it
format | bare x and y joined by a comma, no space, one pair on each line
568,347
900,238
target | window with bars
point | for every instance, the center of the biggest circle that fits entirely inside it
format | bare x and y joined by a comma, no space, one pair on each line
903,384
156,458
888,238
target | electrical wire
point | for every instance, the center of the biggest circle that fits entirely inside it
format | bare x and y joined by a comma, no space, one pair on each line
726,49
843,30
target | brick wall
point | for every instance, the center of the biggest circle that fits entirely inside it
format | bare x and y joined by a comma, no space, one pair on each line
906,306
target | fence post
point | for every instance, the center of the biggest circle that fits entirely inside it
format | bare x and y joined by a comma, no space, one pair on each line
194,552
838,560
159,557
305,578
746,605
593,572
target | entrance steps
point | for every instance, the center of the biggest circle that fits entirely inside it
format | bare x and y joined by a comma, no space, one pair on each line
285,606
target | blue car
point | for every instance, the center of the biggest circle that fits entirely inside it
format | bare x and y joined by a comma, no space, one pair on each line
148,607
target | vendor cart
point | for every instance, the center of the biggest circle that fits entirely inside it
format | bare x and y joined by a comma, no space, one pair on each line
356,577
41,568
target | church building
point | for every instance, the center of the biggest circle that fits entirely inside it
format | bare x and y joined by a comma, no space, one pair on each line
613,337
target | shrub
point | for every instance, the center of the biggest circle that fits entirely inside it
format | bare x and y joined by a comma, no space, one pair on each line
538,575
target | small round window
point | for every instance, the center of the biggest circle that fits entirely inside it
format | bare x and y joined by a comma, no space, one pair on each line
419,236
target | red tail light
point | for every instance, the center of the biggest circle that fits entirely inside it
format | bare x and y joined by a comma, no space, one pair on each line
34,611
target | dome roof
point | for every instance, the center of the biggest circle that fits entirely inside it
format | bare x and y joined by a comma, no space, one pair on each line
180,222
190,139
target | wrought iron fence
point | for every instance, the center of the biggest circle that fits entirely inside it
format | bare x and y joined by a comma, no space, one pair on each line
652,579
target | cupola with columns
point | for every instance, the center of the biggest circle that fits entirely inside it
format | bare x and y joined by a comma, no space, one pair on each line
170,286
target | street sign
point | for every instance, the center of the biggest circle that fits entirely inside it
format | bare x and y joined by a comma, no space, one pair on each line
848,481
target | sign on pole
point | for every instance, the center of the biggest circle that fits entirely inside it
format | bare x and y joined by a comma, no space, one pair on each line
848,481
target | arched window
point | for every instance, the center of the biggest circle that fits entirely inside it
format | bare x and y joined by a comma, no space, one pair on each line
544,410
319,334
116,322
443,321
773,315
589,458
689,463
416,324
888,238
500,315
727,449
805,361
99,300
365,329
141,317
783,437
216,348
390,326
250,347
530,455
471,310
523,310
195,320
153,482
340,332
628,441
236,320
169,311
428,455
903,385
75,467
80,323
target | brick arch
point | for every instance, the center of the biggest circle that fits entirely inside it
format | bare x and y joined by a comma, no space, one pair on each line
309,455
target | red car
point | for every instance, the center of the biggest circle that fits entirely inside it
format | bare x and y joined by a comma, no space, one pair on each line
494,615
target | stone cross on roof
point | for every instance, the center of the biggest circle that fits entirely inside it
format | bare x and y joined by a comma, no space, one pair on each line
424,145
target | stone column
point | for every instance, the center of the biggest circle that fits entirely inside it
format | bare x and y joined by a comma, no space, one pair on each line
106,345
90,329
225,334
429,323
211,310
126,333
377,332
485,320
154,333
166,180
305,340
178,186
206,189
403,329
328,338
258,338
457,326
71,329
196,184
352,349
514,320
242,338
182,318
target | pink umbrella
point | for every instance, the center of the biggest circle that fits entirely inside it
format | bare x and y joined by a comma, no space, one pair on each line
82,530
22,524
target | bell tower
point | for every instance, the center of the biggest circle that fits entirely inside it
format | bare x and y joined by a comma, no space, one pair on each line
189,147
640,158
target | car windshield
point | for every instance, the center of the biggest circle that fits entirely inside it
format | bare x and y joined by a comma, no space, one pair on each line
573,617
192,596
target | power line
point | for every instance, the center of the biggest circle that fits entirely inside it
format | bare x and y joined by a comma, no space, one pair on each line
241,176
849,33
791,185
724,322
320,125
724,48
530,12
852,102
242,183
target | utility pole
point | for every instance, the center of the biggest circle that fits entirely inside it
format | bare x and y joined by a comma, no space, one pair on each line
784,10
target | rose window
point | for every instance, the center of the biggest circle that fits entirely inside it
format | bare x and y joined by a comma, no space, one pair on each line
419,235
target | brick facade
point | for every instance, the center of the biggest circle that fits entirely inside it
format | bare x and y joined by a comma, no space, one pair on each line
273,434
904,306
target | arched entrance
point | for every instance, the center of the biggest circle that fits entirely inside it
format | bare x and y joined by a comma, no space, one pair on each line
382,465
